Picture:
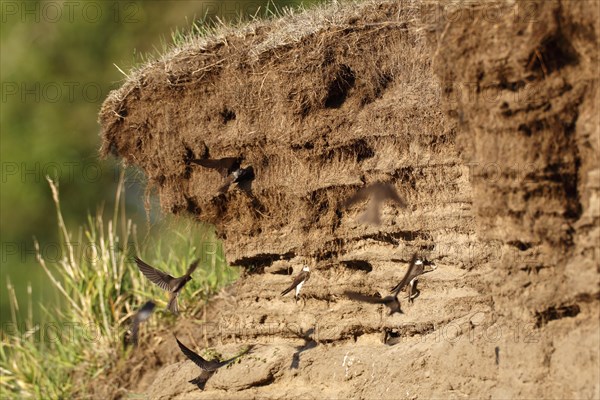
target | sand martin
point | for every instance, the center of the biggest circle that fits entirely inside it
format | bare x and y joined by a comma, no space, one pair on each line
390,302
225,166
167,282
298,282
416,268
230,168
140,316
208,367
377,193
242,176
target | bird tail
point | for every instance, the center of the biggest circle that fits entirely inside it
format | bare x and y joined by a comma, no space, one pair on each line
201,379
286,291
135,327
371,215
172,306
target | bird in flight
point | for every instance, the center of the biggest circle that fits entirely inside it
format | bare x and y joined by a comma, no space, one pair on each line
230,169
208,367
390,302
377,193
225,166
166,281
416,268
298,282
142,315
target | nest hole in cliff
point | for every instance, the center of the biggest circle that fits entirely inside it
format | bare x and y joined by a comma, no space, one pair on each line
282,270
338,88
359,265
395,238
554,313
554,53
227,115
257,263
522,246
409,329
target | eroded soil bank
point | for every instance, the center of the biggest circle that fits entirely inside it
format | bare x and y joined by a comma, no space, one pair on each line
484,118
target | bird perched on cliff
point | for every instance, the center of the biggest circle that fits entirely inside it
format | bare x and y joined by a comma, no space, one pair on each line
391,302
208,367
377,193
140,316
416,268
230,168
167,282
298,282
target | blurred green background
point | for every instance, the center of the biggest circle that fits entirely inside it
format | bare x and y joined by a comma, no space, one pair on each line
57,67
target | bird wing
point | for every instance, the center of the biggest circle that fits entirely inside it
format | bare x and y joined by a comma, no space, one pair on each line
363,297
228,181
302,276
361,195
145,311
140,316
218,364
155,276
223,165
393,304
192,267
246,186
407,277
385,191
195,358
204,364
379,193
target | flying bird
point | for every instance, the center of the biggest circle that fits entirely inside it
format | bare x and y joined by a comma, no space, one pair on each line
416,268
142,315
377,193
230,168
167,282
208,367
390,302
298,282
225,166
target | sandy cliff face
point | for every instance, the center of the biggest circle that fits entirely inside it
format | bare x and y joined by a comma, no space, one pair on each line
483,116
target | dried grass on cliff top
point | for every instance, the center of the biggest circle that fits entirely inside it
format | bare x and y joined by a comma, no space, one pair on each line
285,26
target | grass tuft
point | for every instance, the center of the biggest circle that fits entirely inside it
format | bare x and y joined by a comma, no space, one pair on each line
100,288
